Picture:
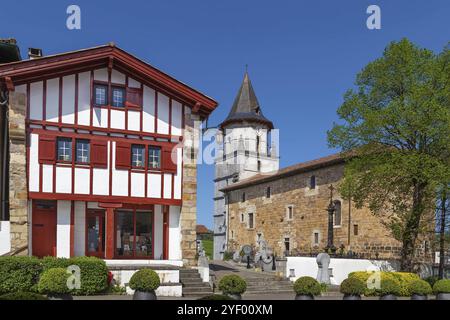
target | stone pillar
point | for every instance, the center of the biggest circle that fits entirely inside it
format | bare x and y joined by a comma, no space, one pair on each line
18,196
188,218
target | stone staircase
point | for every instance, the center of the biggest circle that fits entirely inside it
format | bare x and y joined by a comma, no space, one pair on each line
267,284
193,285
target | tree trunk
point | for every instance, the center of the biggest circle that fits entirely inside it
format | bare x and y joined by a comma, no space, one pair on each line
442,236
411,231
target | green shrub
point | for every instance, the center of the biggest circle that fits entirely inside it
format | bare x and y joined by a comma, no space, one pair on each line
19,274
94,275
232,284
323,287
22,296
227,255
353,287
442,286
389,286
216,297
403,280
54,262
145,280
22,273
431,280
307,286
420,287
54,281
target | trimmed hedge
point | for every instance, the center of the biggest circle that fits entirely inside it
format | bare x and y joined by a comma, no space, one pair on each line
54,281
389,286
402,279
232,284
22,296
352,286
19,274
22,273
442,286
420,287
145,280
307,286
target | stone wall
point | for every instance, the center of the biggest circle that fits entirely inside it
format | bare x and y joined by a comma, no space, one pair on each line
309,217
18,204
188,220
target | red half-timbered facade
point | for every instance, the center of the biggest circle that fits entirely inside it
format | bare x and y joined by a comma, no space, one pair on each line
104,153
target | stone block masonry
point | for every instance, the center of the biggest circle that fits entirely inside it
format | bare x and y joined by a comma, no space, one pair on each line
188,219
305,232
18,204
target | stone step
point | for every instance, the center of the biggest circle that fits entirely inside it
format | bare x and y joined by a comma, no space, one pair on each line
199,289
196,284
198,294
189,275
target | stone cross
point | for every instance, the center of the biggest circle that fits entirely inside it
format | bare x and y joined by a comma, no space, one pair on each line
323,262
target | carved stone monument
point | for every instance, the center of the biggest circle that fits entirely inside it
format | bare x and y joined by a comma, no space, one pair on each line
323,262
264,256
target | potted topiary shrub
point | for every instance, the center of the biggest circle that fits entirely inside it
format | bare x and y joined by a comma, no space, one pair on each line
442,289
306,288
233,286
389,289
352,288
144,283
53,283
420,290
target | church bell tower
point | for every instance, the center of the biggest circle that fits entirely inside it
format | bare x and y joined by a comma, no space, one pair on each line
244,149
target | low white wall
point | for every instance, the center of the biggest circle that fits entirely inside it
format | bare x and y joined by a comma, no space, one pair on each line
170,282
307,266
5,237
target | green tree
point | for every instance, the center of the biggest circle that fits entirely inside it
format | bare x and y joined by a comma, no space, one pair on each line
395,131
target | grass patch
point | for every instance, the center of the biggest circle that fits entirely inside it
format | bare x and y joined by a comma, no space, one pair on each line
208,246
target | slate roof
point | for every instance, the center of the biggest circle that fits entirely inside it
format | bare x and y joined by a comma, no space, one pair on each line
288,171
246,106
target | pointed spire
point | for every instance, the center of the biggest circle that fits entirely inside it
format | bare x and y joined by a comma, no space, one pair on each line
246,106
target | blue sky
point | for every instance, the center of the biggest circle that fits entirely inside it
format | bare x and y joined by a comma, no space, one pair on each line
302,55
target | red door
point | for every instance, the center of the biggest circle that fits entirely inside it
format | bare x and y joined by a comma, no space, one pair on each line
44,228
95,233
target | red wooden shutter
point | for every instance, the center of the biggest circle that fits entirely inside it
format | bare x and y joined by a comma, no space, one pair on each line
47,149
99,153
134,97
123,155
169,158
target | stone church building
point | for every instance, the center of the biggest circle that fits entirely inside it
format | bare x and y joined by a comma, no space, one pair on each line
255,200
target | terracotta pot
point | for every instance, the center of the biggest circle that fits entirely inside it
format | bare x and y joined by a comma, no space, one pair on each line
144,295
388,297
304,297
351,297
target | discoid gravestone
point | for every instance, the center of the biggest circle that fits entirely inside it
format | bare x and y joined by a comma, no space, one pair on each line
323,262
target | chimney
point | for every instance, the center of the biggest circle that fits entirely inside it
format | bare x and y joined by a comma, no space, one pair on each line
9,51
34,53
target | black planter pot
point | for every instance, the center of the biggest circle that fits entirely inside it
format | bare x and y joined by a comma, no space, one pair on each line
351,297
144,295
66,296
443,296
388,297
235,296
419,297
304,297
